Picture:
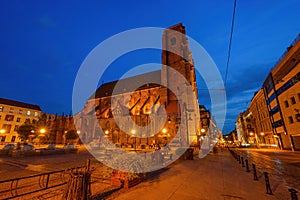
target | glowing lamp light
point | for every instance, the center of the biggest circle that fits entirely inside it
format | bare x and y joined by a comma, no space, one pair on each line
164,130
43,130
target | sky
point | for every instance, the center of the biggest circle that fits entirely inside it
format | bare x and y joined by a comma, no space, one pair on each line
43,43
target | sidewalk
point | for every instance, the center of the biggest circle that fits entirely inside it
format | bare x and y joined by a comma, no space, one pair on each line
217,176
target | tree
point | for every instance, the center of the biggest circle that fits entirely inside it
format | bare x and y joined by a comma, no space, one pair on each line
27,131
71,135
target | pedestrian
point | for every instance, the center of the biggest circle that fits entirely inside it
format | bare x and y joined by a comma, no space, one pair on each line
158,147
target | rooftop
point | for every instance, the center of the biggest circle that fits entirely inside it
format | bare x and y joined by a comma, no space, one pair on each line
19,104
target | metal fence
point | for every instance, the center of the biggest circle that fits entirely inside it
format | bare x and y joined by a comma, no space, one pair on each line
25,186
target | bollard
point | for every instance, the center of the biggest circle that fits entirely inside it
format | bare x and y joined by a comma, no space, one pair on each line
254,172
268,186
247,166
293,194
243,165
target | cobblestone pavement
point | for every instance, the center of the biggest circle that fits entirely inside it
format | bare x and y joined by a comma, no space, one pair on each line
216,176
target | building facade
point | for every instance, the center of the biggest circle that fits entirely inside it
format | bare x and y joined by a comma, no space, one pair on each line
260,119
281,89
151,105
57,127
12,115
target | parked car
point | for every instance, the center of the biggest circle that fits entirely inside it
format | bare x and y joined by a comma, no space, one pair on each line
70,148
7,148
27,147
51,146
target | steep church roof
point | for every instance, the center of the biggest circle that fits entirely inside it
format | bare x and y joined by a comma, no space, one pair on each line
107,89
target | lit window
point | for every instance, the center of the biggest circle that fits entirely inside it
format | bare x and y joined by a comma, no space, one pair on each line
1,108
28,112
11,110
36,114
6,127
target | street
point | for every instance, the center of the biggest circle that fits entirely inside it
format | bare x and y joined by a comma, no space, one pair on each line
24,166
283,166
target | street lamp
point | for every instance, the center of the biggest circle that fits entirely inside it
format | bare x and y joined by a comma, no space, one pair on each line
2,131
106,133
43,131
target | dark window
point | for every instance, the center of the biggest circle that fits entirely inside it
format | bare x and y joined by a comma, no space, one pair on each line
13,138
173,41
291,120
18,119
298,96
16,128
274,110
293,100
272,97
3,138
286,103
297,116
277,123
9,118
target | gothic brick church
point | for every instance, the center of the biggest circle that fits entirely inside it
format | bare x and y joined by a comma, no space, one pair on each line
97,121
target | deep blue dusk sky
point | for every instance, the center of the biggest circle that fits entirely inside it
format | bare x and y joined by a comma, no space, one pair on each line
43,43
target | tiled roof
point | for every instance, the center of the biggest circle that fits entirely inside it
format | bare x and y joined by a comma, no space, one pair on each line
19,104
128,84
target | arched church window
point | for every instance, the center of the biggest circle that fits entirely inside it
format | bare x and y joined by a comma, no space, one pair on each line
173,41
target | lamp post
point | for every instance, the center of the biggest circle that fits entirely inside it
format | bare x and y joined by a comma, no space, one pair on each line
262,136
164,131
133,133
